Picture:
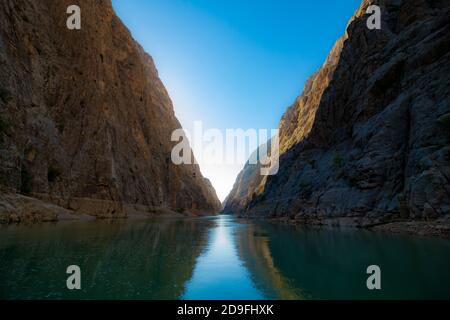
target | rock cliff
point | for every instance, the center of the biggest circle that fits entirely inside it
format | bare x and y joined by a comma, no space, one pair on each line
85,120
367,142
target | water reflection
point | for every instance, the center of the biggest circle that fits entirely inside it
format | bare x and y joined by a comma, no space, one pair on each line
119,260
217,258
254,249
296,263
219,272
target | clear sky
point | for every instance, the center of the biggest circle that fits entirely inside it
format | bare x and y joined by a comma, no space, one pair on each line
235,63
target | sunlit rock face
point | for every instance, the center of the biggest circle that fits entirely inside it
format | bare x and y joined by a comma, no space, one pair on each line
368,140
84,113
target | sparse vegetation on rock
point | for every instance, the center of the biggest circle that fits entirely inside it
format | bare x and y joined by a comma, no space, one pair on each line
444,120
5,95
53,173
337,161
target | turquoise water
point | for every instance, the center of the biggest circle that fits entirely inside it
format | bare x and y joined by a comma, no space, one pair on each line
217,258
219,272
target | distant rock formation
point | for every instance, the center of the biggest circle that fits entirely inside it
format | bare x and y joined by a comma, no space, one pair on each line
367,142
85,120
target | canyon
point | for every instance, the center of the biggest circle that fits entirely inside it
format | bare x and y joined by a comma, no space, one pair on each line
86,128
367,142
86,125
85,120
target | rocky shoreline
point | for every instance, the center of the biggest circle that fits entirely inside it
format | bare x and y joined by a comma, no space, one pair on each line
438,228
17,208
434,228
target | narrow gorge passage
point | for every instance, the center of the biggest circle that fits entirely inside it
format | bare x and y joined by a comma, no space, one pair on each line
230,150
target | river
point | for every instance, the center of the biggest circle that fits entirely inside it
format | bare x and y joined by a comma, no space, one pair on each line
218,257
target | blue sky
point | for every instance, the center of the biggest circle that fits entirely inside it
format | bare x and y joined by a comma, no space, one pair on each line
235,63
